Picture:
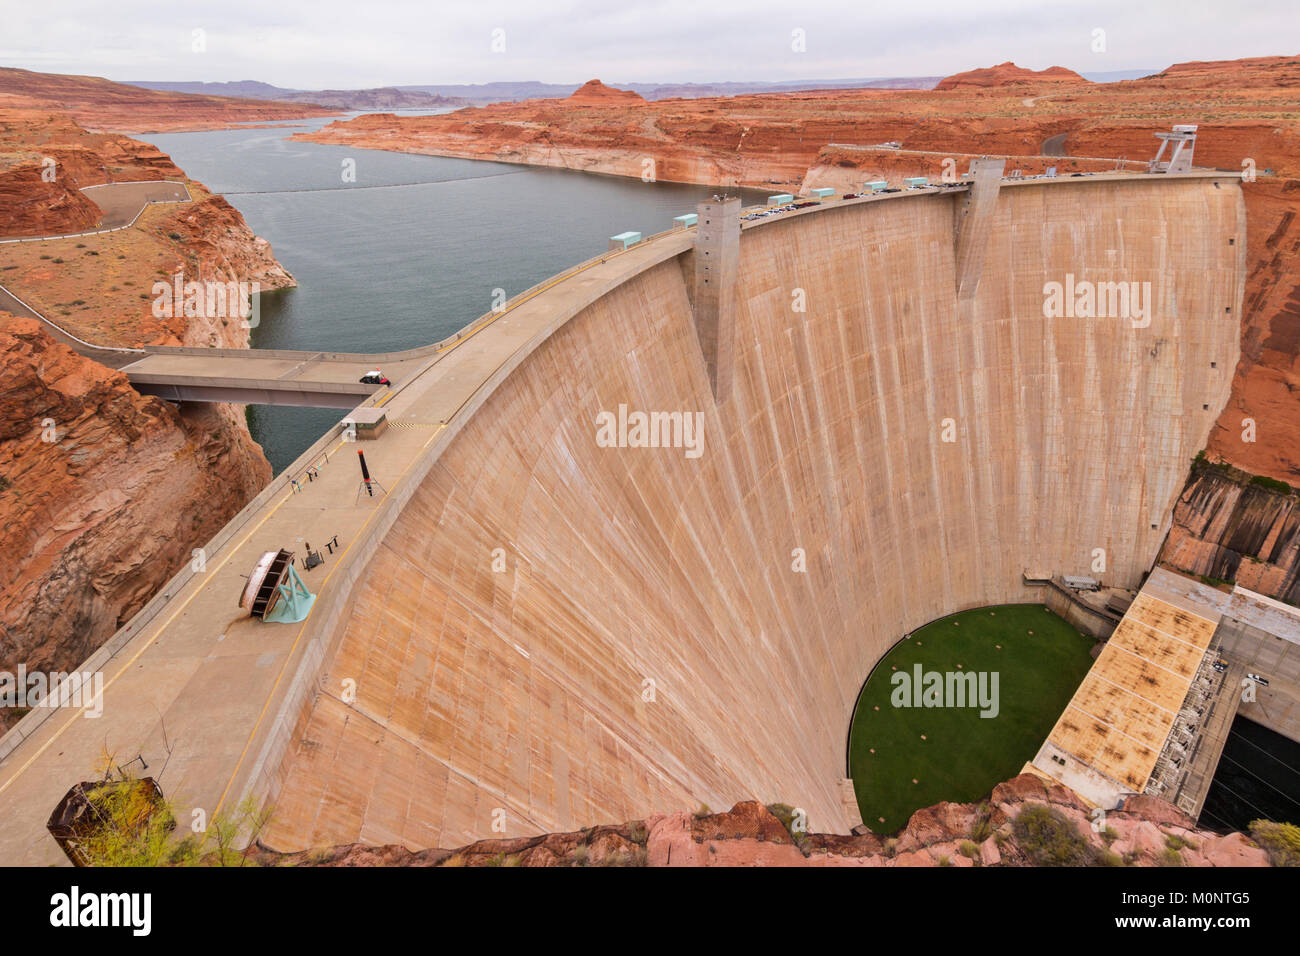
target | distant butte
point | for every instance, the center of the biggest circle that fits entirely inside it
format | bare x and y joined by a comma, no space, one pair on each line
597,93
101,105
1008,74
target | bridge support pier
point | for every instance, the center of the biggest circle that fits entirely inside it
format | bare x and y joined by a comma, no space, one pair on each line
717,264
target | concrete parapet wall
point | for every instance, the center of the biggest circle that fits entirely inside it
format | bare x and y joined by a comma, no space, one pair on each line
652,642
1079,616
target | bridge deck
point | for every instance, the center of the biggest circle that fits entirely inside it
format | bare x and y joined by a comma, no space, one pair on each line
248,376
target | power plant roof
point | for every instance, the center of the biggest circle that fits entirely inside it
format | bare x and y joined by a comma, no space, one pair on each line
1118,720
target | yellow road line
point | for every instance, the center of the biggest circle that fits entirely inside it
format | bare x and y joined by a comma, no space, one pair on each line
230,552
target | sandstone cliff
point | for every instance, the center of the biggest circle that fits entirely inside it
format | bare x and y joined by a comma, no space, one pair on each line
1249,72
46,160
98,286
1228,527
1147,832
103,494
1259,430
34,206
101,104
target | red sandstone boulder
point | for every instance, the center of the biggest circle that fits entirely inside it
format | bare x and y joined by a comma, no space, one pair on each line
1156,811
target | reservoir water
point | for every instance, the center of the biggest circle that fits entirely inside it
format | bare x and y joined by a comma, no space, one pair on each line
410,251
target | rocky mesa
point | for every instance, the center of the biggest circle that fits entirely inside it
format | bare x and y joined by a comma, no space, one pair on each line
101,104
1008,74
103,495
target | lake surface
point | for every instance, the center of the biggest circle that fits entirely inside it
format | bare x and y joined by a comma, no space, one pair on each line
409,252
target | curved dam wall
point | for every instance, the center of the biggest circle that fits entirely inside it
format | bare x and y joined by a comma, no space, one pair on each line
556,634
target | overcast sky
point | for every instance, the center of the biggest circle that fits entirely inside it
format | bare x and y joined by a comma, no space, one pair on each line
316,44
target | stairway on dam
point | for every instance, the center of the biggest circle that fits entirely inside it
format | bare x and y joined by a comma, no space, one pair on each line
537,629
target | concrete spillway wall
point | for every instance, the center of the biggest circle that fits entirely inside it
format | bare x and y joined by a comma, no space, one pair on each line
557,634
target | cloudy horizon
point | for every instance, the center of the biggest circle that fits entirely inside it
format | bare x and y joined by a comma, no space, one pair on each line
401,43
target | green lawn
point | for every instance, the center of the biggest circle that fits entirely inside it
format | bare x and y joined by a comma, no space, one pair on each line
963,755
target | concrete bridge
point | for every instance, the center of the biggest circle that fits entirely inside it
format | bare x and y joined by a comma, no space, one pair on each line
481,640
244,376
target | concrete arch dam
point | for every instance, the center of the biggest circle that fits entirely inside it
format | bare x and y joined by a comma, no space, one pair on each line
536,630
645,643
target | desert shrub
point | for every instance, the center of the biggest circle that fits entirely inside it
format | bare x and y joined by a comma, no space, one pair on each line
1050,838
136,831
1169,857
1271,484
969,849
786,814
1281,840
783,812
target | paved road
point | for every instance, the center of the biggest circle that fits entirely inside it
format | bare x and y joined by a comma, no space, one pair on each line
123,202
11,303
120,203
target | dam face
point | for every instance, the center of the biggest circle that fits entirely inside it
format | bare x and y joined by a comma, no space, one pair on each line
556,633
